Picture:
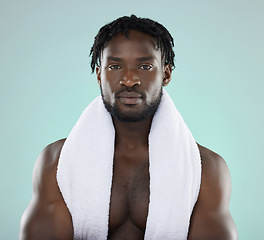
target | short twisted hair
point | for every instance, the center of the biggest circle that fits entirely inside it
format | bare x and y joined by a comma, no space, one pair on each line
161,35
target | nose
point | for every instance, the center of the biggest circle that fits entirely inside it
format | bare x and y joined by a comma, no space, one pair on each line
130,79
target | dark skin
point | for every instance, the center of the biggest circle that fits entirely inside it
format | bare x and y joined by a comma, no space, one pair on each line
47,216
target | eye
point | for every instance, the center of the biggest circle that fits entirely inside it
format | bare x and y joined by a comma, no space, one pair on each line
146,67
114,67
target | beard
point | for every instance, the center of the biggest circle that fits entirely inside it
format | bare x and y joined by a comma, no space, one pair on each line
148,111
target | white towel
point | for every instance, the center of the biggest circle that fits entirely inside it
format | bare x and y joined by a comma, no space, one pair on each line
86,166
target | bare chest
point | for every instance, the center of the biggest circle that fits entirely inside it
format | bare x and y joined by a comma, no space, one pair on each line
129,196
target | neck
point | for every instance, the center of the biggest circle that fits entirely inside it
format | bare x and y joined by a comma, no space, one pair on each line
131,135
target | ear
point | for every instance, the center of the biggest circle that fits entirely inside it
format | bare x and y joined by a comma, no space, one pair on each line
166,75
98,73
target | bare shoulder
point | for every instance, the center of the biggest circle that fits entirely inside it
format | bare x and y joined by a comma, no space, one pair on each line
211,218
213,166
46,215
210,157
216,180
45,169
49,156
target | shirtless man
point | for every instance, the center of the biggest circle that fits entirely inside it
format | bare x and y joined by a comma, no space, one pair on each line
135,62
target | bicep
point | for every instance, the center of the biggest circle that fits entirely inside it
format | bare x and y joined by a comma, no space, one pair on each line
36,222
211,218
214,225
43,220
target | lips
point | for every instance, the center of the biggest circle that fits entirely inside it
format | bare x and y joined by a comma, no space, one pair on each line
130,97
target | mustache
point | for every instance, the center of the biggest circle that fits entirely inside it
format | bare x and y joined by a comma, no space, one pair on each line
130,89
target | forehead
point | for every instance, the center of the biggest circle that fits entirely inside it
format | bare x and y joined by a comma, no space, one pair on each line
136,44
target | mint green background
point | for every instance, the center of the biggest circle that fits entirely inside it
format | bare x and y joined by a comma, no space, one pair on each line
217,86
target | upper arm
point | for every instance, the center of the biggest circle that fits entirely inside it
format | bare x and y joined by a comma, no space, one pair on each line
46,216
211,218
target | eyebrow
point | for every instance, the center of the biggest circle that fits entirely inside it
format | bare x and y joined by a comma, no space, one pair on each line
140,59
145,58
116,59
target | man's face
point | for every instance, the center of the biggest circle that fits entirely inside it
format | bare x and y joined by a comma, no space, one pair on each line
131,76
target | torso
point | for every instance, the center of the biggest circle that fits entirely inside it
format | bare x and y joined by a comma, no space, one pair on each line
129,195
47,212
129,198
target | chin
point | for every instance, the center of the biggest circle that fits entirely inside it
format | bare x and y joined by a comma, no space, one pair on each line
130,117
144,112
